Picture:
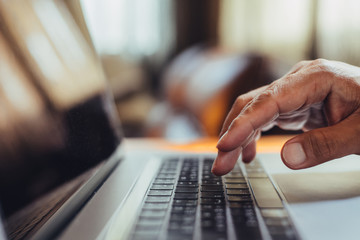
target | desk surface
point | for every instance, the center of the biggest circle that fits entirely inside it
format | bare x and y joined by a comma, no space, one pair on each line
266,144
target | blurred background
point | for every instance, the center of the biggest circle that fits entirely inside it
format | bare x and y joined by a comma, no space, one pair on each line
175,67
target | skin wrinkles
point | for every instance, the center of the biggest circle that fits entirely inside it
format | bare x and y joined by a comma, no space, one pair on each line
319,96
239,104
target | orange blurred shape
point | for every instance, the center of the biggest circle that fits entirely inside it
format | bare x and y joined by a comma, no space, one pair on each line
266,144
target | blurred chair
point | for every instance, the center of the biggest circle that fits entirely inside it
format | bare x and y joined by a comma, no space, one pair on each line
200,86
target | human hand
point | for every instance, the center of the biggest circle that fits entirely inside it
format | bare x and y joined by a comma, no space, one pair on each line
321,97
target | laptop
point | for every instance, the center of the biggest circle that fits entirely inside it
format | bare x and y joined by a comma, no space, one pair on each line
77,178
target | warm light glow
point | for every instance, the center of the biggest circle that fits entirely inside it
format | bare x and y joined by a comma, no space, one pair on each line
339,30
46,58
133,27
286,29
61,36
266,144
51,43
278,28
15,86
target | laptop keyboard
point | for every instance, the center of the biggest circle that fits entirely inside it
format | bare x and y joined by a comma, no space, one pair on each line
186,201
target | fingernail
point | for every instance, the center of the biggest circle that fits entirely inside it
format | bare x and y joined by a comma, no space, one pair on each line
294,154
214,166
225,161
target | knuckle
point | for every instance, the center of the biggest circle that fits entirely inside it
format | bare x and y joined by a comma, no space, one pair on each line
319,66
240,102
298,66
267,98
302,63
268,93
235,123
272,91
319,61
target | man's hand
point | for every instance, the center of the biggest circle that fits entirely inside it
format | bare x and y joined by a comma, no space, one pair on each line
321,97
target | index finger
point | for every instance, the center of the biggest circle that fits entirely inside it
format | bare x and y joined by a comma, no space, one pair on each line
238,106
283,96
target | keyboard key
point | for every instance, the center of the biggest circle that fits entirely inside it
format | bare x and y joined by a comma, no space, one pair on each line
218,216
277,222
188,183
274,213
239,198
235,180
188,178
166,176
181,189
214,208
169,167
164,181
168,171
207,223
174,235
283,237
243,232
220,227
247,209
209,160
180,228
210,177
152,199
238,215
212,201
236,186
265,193
212,195
156,206
181,217
162,187
189,170
282,233
211,182
148,234
188,196
212,188
213,226
241,205
211,235
152,214
159,193
185,210
183,202
148,224
237,191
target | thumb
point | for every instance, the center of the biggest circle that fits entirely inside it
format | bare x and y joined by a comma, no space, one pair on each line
323,144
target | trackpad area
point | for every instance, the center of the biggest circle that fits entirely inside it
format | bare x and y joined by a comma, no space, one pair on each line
323,205
314,187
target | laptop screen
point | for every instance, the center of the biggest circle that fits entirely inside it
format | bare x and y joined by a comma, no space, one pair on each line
57,118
